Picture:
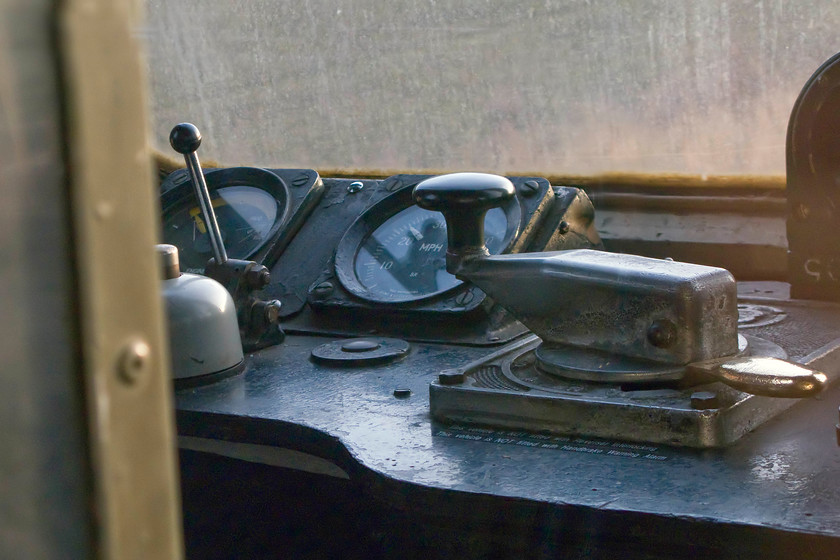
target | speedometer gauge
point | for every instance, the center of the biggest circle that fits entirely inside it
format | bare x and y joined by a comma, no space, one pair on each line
405,258
397,254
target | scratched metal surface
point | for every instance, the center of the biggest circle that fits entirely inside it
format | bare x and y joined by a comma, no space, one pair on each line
782,477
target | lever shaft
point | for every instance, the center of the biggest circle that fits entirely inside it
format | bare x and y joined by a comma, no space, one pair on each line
463,199
185,139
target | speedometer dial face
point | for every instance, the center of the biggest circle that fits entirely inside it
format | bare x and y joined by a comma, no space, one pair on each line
246,216
404,259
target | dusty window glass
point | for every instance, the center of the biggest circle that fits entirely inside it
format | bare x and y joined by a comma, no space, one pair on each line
549,86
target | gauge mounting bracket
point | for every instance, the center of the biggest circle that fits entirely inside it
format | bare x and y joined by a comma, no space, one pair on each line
537,206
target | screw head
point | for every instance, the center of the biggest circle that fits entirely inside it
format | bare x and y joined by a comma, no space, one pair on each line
258,277
271,313
300,180
182,177
662,333
394,185
451,377
402,393
133,361
355,187
564,227
529,188
464,299
323,290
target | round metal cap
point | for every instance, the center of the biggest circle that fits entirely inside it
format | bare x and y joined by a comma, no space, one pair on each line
169,260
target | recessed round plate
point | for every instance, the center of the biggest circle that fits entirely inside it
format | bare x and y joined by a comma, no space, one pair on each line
594,365
526,369
361,351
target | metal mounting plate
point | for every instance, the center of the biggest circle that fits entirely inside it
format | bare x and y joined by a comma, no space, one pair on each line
506,389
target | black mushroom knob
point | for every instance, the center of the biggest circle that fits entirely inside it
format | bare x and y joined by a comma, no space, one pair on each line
185,138
464,199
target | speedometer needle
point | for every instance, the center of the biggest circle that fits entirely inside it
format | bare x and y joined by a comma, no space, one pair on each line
417,235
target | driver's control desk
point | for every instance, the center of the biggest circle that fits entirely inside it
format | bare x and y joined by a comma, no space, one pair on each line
440,407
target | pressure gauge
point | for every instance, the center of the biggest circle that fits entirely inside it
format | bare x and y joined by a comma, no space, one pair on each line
251,206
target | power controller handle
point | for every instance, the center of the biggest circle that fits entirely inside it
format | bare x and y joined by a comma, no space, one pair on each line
564,296
185,139
463,199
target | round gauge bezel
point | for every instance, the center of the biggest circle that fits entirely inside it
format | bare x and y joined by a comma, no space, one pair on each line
183,194
374,217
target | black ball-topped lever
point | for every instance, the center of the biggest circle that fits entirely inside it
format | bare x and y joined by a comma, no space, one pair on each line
464,199
185,139
259,320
